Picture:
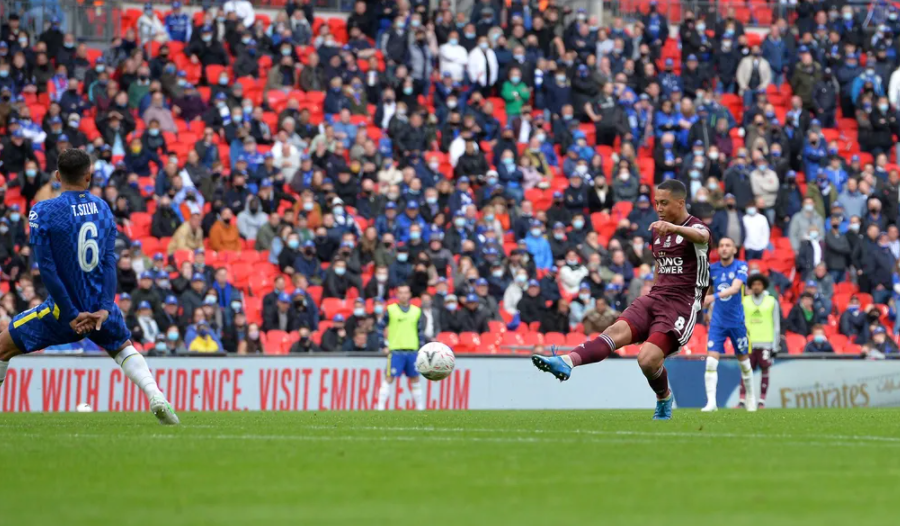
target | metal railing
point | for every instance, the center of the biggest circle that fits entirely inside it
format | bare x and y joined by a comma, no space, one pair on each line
752,13
92,21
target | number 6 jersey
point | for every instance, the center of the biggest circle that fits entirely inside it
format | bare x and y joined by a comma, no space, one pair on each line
73,237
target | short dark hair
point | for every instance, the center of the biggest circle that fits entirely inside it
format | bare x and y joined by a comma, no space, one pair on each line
73,165
674,187
758,277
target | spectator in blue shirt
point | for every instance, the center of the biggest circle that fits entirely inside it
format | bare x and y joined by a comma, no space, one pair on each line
344,130
538,246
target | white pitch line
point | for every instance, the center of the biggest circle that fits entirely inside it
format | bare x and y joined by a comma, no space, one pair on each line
692,434
608,439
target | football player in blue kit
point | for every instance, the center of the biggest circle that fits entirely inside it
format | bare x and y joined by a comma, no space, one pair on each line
728,277
73,237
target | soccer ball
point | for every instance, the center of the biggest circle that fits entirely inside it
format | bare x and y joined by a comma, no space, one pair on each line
435,361
84,408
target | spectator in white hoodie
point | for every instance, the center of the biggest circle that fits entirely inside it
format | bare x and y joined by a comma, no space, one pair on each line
757,227
454,58
571,274
251,218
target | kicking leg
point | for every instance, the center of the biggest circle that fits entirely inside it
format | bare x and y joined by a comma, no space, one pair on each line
135,368
8,349
652,359
711,378
593,351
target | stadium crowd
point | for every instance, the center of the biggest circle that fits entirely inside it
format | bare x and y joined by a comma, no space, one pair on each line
275,179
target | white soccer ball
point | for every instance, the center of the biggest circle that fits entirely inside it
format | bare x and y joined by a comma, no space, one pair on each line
435,361
84,408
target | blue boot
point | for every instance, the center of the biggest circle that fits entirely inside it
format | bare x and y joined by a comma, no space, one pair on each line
664,408
554,365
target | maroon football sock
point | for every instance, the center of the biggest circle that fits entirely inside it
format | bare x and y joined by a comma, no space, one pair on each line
659,382
764,384
593,351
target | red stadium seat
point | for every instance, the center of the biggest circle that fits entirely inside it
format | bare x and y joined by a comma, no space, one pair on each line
795,343
555,338
278,342
468,342
332,306
449,339
574,339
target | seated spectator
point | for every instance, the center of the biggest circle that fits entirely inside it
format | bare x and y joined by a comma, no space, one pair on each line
333,339
282,317
881,345
600,317
224,234
555,318
305,344
819,342
532,304
803,316
201,339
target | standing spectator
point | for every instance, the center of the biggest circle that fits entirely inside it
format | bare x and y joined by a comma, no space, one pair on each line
515,93
454,58
729,223
806,74
838,251
754,75
756,227
802,222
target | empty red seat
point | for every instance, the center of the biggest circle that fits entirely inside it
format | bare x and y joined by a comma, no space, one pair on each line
555,338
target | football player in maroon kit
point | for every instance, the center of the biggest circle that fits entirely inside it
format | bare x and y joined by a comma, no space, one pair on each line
664,319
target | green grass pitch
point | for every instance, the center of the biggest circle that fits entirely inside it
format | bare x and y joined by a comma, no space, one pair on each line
778,467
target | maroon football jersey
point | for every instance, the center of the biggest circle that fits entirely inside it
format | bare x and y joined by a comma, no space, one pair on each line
682,267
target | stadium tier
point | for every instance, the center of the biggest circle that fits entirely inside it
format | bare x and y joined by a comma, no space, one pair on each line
275,178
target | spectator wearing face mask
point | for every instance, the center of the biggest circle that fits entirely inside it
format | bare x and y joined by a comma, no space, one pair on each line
224,234
812,252
802,222
819,342
756,227
201,339
338,281
251,219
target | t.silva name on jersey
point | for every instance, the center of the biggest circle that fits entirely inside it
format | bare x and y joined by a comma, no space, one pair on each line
84,209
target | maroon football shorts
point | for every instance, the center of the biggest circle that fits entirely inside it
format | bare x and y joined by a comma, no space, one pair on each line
667,315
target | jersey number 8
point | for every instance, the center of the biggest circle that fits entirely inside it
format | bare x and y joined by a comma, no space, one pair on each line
88,249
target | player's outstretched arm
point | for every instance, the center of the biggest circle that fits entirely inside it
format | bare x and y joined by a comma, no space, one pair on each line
695,234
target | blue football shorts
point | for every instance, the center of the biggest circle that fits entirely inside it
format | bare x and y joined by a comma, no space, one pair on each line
39,328
402,363
737,334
